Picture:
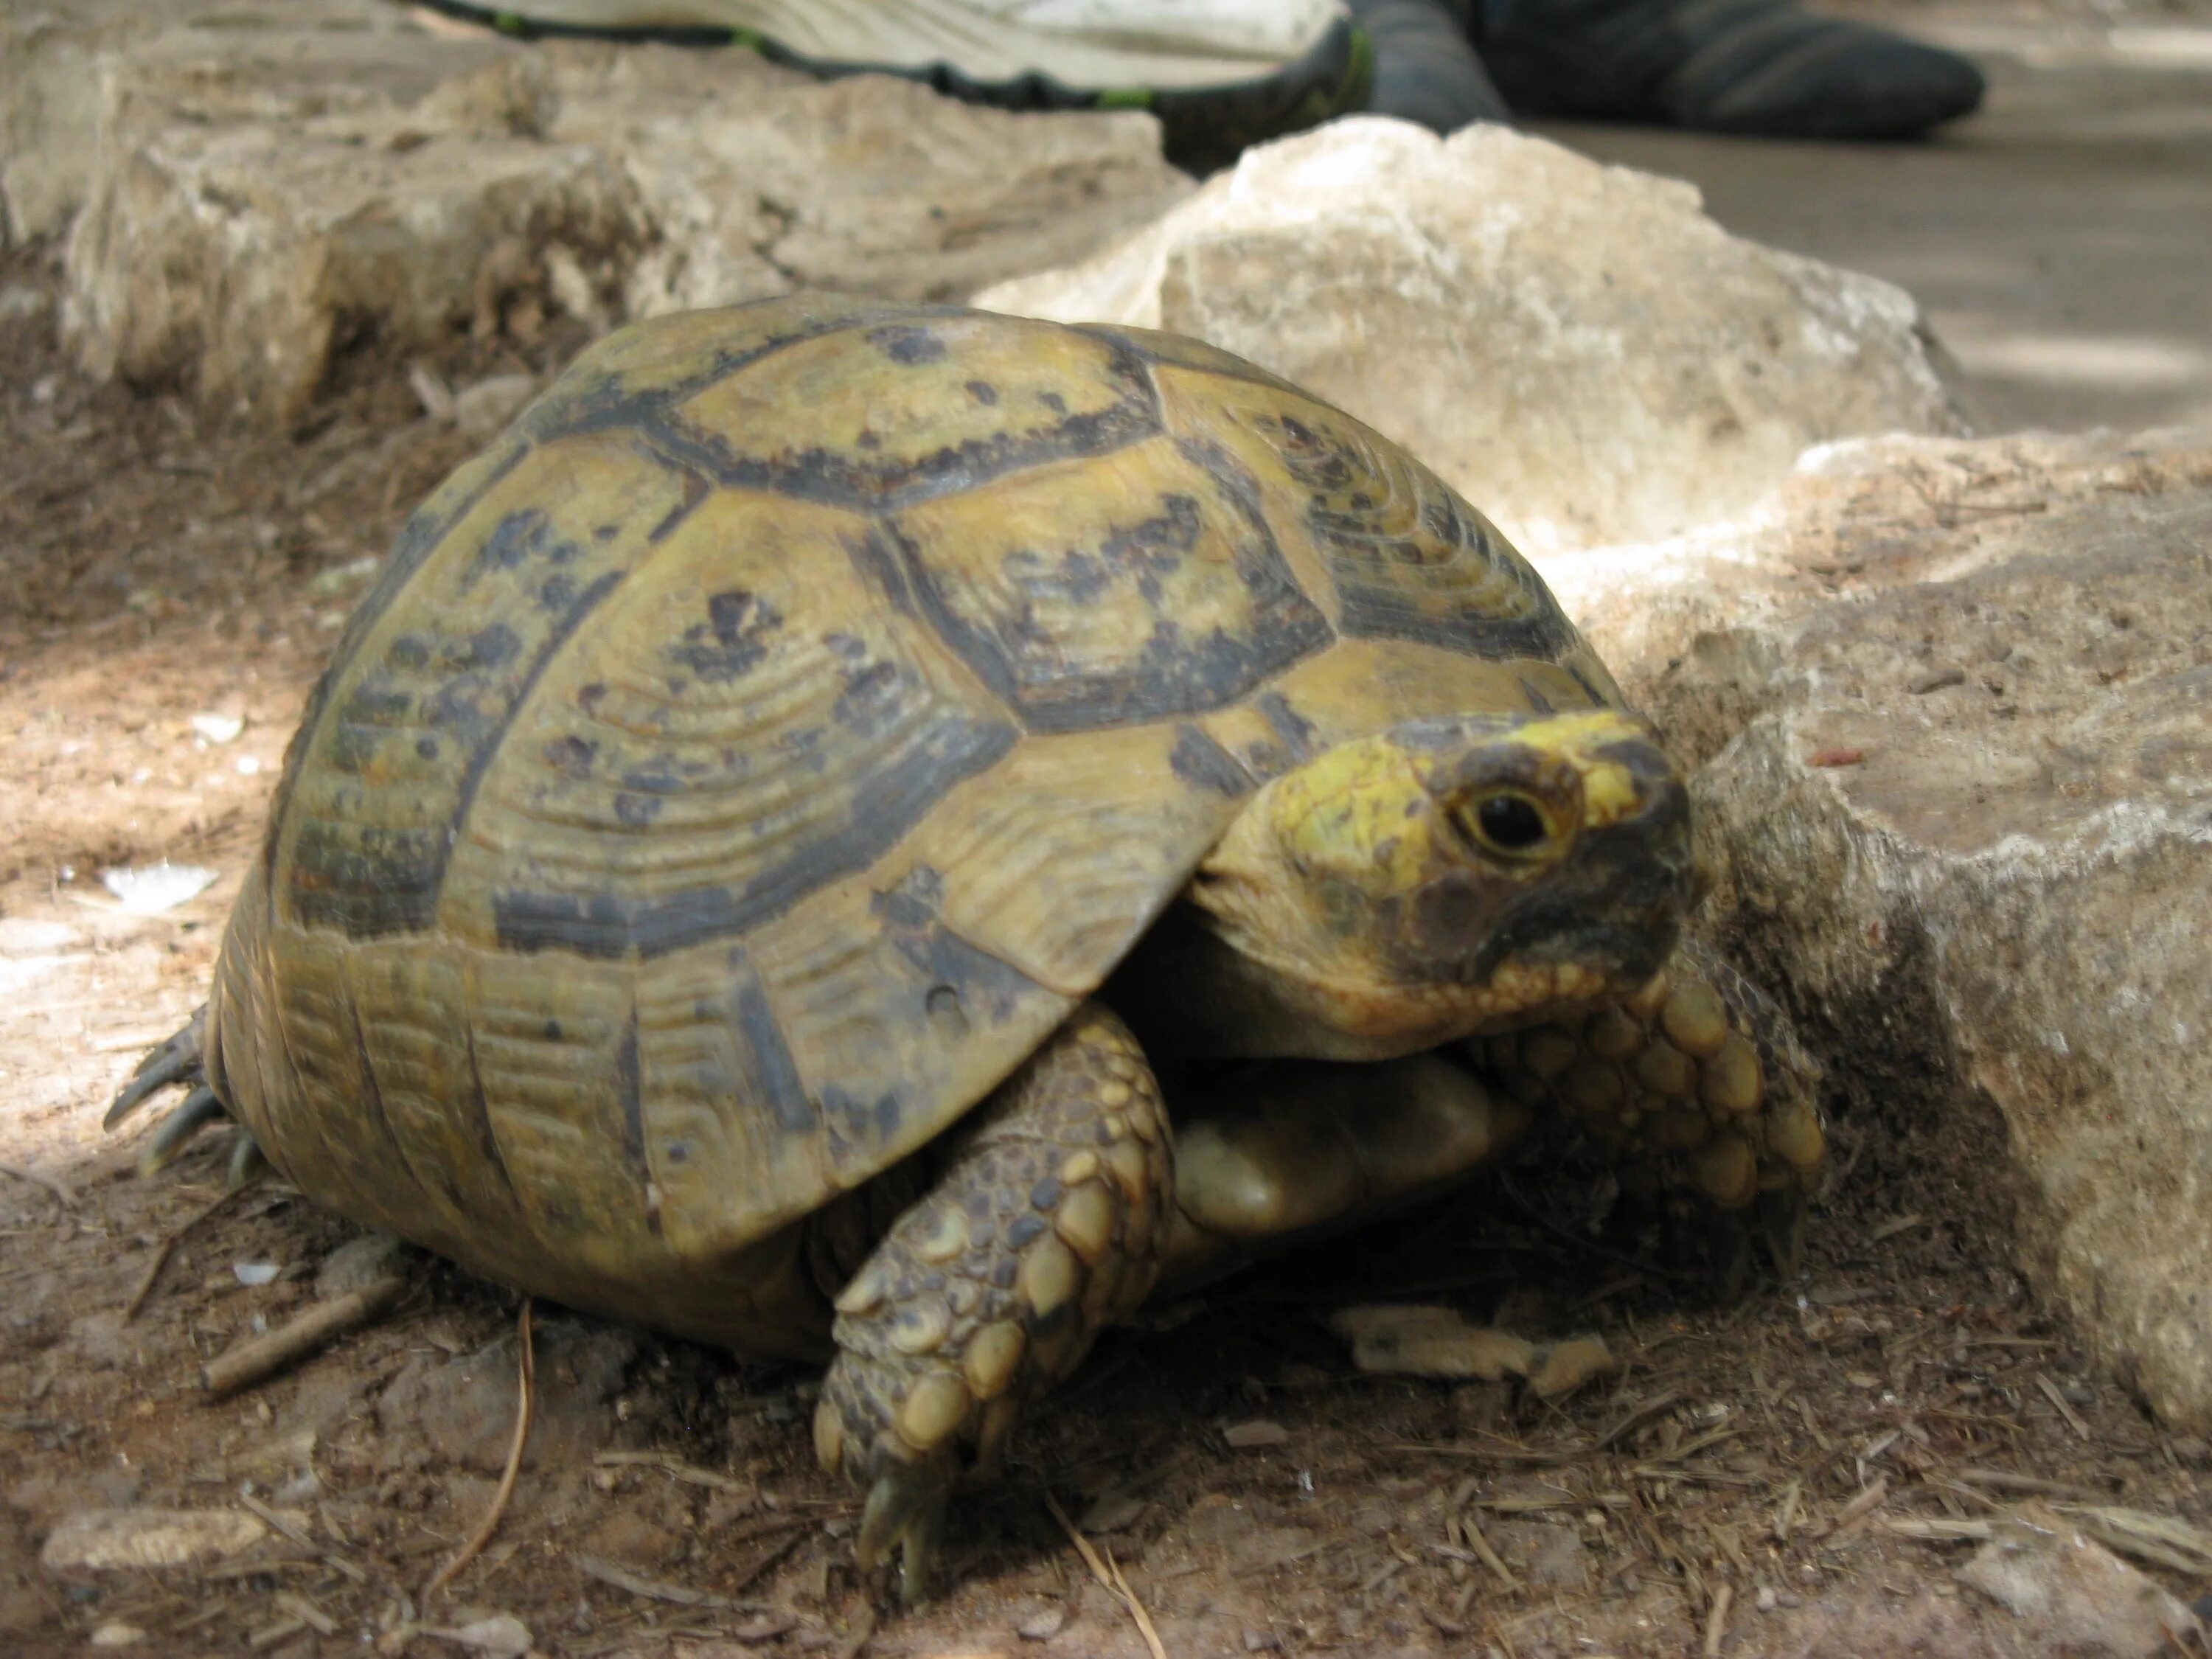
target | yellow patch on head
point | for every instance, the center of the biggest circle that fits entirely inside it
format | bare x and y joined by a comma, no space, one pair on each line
1366,796
1609,791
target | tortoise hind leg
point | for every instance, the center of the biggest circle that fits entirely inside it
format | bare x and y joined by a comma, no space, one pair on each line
181,1061
1697,1089
1047,1225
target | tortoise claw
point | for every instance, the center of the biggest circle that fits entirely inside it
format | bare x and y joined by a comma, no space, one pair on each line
197,1110
247,1163
177,1060
1728,1253
905,1509
1781,1211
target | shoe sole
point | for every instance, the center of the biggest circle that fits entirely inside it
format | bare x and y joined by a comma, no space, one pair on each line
1203,126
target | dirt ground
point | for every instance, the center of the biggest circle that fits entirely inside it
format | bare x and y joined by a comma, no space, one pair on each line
1754,1480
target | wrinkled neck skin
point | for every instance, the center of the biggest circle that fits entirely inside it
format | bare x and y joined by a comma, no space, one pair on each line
1353,912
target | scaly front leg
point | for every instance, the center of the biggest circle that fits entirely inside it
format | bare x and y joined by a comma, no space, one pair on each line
1697,1089
1047,1224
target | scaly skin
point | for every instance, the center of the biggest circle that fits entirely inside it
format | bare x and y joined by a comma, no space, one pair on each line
1695,1086
1048,1223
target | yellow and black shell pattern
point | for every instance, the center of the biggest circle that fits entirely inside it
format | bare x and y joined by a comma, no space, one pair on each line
742,765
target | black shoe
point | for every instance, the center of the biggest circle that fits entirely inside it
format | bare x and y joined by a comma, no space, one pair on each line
1426,69
1755,66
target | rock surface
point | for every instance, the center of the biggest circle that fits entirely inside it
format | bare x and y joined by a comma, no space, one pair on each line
1961,807
253,196
1577,349
2076,1594
464,1408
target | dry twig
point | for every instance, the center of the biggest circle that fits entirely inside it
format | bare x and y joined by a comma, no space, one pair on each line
526,1401
1491,1559
660,1589
1717,1620
1939,1529
2006,1481
167,1247
2072,1419
1637,1417
669,1465
1861,1505
1108,1572
298,1337
2155,1538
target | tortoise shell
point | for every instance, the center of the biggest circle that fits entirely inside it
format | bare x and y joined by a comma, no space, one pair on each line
742,765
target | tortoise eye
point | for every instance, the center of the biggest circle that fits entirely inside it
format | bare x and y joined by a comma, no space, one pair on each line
1510,824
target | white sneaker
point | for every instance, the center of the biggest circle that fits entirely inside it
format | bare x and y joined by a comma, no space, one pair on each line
1219,74
1082,45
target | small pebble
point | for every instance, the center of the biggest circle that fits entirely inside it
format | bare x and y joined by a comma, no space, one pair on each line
484,408
118,1636
1043,1627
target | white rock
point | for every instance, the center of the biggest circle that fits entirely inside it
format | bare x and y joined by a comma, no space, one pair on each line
106,1540
2076,1594
1961,811
226,258
502,1636
1576,348
155,888
255,198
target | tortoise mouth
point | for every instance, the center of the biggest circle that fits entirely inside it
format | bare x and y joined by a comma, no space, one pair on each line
1623,956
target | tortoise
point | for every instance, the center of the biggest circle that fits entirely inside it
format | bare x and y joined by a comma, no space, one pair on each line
784,849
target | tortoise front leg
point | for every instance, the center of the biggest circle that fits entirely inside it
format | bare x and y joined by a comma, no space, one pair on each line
1047,1225
1697,1089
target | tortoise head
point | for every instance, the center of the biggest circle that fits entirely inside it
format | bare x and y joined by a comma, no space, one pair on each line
1445,878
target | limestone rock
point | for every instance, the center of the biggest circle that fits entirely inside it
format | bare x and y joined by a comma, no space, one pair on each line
1576,348
52,60
2076,1594
256,197
1961,809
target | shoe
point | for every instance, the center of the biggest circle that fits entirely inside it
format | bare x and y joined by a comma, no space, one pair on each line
1761,68
1220,74
1425,67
